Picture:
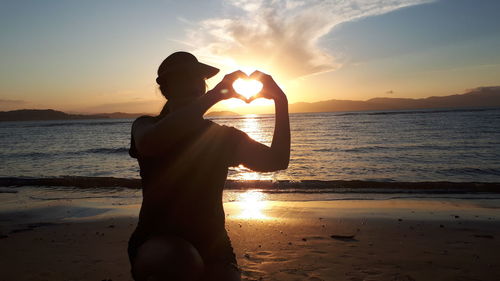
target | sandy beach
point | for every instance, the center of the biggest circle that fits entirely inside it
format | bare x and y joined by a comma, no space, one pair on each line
418,239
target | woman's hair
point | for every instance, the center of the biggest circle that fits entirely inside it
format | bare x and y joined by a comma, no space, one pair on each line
163,90
167,85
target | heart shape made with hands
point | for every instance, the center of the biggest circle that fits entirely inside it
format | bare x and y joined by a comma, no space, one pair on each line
247,87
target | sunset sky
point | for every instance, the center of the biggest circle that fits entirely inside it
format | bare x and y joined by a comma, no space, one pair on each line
94,56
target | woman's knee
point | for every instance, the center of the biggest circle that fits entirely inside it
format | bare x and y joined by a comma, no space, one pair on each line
167,258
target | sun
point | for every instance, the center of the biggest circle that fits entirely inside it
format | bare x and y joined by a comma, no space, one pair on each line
247,87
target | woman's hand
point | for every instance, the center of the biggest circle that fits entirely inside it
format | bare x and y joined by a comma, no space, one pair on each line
270,90
224,90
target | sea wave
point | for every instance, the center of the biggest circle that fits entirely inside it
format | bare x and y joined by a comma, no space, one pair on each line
107,150
470,171
305,186
99,150
400,148
425,111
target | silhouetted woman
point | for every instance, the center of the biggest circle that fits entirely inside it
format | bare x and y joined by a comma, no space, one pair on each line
184,161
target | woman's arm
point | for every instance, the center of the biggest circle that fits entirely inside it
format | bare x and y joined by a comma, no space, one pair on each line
257,156
152,138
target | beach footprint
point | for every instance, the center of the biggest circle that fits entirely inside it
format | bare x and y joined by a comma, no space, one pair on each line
248,274
259,265
262,257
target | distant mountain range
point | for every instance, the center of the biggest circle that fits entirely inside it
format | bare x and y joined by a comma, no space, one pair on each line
479,97
50,114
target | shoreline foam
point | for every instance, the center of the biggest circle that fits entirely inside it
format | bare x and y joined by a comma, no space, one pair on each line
343,186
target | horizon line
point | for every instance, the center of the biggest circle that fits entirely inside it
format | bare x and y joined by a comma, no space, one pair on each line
74,112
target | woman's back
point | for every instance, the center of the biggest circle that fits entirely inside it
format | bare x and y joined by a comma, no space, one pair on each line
182,187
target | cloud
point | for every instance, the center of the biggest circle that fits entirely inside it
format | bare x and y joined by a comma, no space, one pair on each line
282,32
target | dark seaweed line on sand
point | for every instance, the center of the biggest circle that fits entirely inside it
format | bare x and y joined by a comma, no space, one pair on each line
273,186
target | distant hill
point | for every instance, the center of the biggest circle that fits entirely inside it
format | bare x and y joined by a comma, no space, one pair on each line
120,115
50,114
222,113
479,97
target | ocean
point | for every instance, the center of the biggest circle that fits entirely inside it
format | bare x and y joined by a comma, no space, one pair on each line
455,145
54,171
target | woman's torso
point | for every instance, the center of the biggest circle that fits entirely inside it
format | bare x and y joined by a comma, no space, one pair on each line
182,187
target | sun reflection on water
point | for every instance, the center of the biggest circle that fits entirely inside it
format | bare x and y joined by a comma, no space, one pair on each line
252,205
252,127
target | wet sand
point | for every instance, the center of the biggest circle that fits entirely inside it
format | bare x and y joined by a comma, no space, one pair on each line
321,240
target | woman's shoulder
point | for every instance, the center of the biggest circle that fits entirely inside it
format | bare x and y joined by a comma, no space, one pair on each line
144,119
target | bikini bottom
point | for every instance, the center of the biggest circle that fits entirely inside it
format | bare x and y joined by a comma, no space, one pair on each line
220,254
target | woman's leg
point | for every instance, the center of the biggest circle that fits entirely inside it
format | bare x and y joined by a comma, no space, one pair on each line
163,258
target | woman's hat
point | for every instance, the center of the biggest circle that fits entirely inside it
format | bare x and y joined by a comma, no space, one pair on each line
184,63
